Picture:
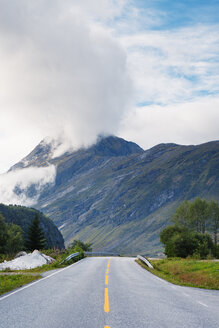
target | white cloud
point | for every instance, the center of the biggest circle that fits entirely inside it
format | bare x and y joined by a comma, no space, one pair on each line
187,123
173,66
62,73
22,180
68,70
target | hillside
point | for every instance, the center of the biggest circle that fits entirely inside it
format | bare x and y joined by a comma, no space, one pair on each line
22,216
118,196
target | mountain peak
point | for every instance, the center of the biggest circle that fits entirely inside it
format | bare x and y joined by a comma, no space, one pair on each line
41,154
115,146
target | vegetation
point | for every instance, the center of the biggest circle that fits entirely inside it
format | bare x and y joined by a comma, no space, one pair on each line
76,244
187,272
198,216
188,237
23,216
10,282
35,236
11,237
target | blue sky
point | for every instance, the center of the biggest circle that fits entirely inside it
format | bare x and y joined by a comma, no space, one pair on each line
189,26
175,14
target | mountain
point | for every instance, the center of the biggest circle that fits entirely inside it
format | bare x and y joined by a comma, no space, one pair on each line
23,216
118,196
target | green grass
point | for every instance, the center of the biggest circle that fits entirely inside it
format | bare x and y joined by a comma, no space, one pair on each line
186,272
10,282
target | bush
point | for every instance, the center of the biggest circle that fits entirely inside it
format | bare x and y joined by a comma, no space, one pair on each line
84,246
180,242
181,245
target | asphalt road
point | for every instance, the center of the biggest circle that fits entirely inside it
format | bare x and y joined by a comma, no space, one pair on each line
108,293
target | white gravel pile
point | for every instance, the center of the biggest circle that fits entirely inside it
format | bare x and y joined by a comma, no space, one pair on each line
29,261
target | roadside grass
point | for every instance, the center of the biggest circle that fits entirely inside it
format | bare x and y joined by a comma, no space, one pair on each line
186,272
10,282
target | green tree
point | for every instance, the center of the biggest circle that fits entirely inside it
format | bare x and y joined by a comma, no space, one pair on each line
192,215
84,246
182,216
3,235
181,245
199,214
205,244
168,232
182,242
15,241
213,212
35,235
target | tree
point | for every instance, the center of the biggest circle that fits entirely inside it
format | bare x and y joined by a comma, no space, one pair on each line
35,235
205,244
181,245
168,232
15,242
11,237
213,212
3,234
84,246
188,236
182,242
192,215
182,216
199,214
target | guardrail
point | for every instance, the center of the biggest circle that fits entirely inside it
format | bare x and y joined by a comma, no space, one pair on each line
143,259
70,257
101,254
90,253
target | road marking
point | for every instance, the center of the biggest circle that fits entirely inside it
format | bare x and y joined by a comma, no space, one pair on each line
35,282
107,270
106,280
106,326
106,304
202,304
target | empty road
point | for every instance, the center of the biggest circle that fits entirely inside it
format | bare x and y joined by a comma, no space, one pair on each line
108,293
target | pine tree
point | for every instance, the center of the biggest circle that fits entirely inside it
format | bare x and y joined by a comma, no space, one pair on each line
35,235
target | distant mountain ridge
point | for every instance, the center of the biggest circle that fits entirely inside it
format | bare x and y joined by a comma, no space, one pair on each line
118,196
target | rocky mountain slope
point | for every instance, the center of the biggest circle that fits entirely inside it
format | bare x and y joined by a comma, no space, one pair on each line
118,196
22,216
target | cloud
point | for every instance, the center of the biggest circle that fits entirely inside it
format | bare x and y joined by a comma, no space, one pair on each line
15,186
62,73
173,66
72,69
193,122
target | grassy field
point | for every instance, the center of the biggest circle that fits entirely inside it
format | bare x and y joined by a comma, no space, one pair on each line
10,282
187,272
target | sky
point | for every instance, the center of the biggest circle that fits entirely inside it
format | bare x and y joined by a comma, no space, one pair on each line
143,70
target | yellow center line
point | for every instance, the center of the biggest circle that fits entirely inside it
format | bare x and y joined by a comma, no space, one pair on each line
106,326
106,304
106,280
107,270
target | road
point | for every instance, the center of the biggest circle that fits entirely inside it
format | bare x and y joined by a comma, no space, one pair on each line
108,293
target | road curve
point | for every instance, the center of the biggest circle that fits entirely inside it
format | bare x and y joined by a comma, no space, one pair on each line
108,293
